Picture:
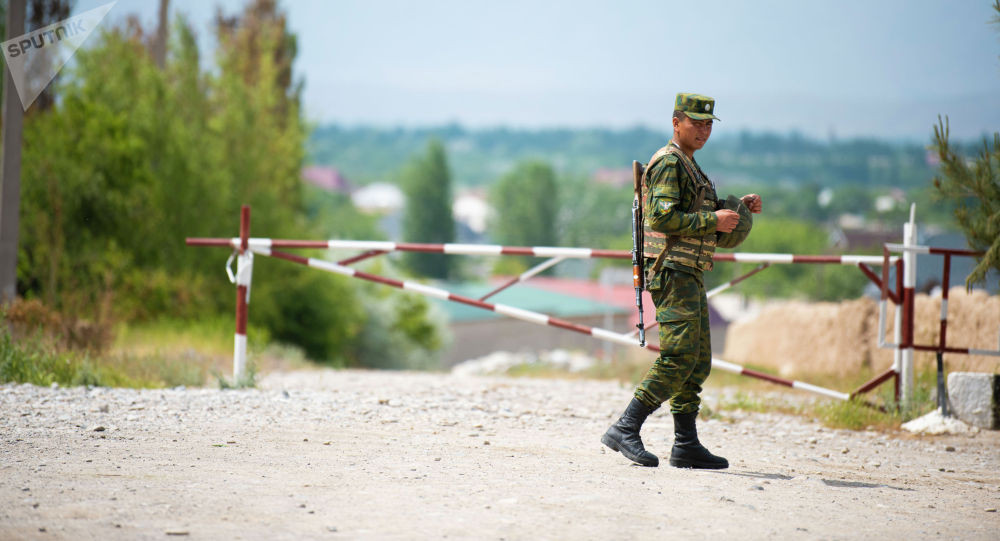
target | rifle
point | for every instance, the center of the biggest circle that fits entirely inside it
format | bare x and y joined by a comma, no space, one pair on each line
638,276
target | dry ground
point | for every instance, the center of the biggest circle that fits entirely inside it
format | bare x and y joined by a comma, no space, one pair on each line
376,455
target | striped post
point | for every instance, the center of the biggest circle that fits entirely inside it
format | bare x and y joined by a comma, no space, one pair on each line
909,286
531,317
244,269
897,356
941,394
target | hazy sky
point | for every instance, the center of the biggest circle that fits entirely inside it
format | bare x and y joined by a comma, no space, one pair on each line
882,68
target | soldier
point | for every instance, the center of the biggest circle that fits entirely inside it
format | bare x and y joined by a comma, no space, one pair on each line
683,221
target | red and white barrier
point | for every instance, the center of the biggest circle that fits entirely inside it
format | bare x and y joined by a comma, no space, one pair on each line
244,273
245,247
453,249
536,251
531,317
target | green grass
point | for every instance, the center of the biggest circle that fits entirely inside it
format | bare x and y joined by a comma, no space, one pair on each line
876,410
209,336
33,360
157,354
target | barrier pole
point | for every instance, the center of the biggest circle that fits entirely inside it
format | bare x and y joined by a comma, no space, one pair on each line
244,269
531,317
909,284
942,393
525,275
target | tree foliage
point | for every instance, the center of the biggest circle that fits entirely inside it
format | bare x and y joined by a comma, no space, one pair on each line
428,218
132,158
973,185
791,236
595,215
527,206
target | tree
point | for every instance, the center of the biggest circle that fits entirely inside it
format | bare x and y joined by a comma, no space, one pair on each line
595,215
427,216
42,13
974,186
791,236
527,206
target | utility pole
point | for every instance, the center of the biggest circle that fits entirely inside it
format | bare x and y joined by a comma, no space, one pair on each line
10,165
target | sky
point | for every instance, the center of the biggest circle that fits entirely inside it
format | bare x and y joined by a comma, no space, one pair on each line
849,68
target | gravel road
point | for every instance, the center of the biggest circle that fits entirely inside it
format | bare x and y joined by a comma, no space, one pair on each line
396,455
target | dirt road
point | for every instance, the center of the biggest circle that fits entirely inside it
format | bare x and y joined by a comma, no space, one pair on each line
376,455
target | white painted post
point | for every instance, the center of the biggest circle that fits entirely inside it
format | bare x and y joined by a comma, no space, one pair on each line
909,283
244,269
244,274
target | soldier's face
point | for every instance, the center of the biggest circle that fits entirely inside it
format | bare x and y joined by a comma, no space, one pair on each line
690,133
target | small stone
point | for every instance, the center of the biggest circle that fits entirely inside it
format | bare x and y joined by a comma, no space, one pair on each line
844,451
949,449
98,428
486,442
437,459
177,532
327,443
331,528
756,487
991,509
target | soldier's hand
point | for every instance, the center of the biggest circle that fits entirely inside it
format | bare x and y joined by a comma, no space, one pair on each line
752,202
728,219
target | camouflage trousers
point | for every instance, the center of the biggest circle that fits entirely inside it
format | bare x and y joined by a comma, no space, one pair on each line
685,342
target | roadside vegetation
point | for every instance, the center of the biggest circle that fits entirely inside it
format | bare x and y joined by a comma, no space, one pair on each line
876,410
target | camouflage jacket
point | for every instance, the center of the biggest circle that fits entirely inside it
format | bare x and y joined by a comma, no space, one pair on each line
669,192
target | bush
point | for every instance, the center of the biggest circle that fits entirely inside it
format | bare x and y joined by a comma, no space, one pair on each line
316,311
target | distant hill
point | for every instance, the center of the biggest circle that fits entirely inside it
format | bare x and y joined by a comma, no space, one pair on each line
478,157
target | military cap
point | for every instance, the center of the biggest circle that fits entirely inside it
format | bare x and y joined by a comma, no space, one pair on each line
695,106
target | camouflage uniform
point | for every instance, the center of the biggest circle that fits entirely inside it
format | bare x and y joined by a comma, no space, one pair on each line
670,189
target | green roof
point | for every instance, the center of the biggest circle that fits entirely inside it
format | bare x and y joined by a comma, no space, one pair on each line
519,296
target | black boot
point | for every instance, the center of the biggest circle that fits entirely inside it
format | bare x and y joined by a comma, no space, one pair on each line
623,436
688,452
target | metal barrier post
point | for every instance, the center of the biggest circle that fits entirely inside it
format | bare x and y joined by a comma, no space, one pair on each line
909,284
244,270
